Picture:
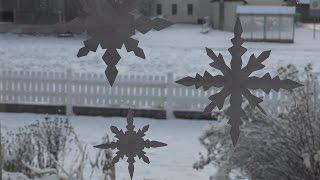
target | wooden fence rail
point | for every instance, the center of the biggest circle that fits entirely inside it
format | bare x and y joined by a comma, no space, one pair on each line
91,90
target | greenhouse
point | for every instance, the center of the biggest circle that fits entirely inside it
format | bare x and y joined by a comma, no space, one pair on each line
267,23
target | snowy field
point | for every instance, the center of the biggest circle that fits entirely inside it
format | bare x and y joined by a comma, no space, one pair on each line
173,162
179,49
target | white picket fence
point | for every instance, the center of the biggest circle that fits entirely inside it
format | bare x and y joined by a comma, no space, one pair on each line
92,90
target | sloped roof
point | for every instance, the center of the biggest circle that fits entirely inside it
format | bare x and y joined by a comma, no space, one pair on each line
231,1
303,1
285,10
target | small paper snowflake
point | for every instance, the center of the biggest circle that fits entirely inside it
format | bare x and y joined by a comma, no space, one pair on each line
237,82
110,24
130,143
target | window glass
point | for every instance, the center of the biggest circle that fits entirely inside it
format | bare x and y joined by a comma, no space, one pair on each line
159,9
174,9
190,9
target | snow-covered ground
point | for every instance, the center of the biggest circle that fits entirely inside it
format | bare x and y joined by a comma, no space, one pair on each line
168,163
179,49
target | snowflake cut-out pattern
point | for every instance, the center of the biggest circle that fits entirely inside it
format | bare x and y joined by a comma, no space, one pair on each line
130,143
236,82
110,24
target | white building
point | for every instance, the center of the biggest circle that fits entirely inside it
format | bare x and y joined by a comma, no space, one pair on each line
267,23
222,15
181,11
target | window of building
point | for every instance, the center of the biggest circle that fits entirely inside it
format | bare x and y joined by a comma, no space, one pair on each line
43,4
6,16
159,9
190,9
174,9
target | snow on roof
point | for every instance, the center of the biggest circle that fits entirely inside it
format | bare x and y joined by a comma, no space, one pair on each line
303,1
266,10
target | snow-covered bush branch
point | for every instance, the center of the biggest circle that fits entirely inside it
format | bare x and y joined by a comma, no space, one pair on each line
283,145
51,147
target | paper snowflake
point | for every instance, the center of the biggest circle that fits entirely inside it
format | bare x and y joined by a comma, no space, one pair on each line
110,24
130,143
236,82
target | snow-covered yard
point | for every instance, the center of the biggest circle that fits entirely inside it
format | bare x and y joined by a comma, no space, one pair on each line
179,49
172,162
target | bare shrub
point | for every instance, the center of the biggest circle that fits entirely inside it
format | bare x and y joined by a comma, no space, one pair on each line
283,145
103,162
37,145
49,147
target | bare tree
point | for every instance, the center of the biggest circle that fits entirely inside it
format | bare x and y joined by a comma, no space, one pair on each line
283,145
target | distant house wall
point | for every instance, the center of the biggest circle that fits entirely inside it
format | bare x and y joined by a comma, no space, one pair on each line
71,9
201,9
33,11
7,10
229,14
182,15
265,2
39,11
205,8
214,15
7,5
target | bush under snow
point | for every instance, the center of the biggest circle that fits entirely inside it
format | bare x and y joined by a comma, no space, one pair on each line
50,149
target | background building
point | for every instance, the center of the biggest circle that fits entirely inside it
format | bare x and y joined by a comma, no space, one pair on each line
31,16
20,14
267,23
303,10
222,13
32,11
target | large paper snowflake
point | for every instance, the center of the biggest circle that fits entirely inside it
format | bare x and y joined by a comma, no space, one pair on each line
130,143
110,24
237,82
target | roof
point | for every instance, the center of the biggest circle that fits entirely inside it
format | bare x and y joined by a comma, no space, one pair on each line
244,1
303,1
285,10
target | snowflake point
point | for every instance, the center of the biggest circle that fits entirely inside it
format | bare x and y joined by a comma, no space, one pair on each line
130,144
238,28
83,52
111,73
236,82
110,24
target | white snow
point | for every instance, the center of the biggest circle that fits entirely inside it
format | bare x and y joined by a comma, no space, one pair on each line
172,162
11,176
278,10
179,49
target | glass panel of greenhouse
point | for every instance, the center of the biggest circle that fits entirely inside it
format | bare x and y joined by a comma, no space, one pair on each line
267,23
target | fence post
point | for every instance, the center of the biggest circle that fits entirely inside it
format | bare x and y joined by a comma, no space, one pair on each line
69,99
4,76
169,97
316,94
